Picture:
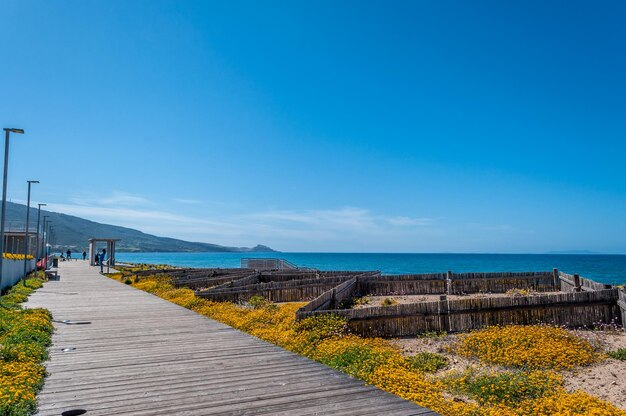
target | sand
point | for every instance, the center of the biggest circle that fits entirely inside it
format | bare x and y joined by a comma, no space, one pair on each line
605,380
406,299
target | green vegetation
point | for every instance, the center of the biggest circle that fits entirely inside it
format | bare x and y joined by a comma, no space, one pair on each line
508,388
320,327
618,354
24,339
389,302
433,334
428,362
351,302
258,301
357,360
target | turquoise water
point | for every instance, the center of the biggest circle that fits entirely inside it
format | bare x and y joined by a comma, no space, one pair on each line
601,268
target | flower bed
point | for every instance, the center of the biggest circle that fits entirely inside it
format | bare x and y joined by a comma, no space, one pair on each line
24,338
531,347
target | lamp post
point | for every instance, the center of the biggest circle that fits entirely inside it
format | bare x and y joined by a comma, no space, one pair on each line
7,131
37,251
46,240
43,238
26,240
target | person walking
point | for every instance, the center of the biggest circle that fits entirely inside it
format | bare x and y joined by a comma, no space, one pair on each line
84,255
103,256
69,254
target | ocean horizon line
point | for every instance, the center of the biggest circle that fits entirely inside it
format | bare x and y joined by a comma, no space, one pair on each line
548,253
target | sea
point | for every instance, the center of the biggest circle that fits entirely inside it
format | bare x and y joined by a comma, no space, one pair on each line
609,269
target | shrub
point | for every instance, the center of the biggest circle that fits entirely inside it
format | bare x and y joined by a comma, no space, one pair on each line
509,388
519,292
128,282
427,362
363,300
433,334
320,327
257,301
356,356
618,354
389,302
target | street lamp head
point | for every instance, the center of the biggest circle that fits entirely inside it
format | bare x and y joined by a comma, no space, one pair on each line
32,181
19,131
42,205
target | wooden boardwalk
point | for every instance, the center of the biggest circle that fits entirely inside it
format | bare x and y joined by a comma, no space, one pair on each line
133,353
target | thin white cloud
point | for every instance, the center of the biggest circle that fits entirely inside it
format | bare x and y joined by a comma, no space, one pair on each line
185,201
491,227
349,217
120,198
409,222
116,198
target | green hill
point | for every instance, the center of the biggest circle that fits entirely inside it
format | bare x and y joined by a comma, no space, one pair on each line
73,232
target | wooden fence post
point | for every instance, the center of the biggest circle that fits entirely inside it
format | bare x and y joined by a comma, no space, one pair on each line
449,282
555,277
577,287
621,302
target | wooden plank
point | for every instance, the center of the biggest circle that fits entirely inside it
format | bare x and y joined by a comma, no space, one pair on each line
143,355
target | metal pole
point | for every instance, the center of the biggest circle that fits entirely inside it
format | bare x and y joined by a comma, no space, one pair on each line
37,250
26,239
52,234
4,200
45,241
4,194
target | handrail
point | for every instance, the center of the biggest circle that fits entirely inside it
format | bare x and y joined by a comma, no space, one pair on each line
270,264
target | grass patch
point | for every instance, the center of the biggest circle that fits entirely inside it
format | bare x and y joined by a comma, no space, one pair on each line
24,339
433,335
320,327
355,359
258,301
428,362
618,354
509,388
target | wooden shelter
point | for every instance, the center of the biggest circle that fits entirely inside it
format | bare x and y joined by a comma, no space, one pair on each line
110,248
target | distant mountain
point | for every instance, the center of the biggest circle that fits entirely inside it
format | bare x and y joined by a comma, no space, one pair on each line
73,232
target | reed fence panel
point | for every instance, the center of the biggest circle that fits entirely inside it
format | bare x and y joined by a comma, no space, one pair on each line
205,278
284,291
456,283
574,309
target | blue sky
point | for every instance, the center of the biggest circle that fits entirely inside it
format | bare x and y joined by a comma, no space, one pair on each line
325,126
